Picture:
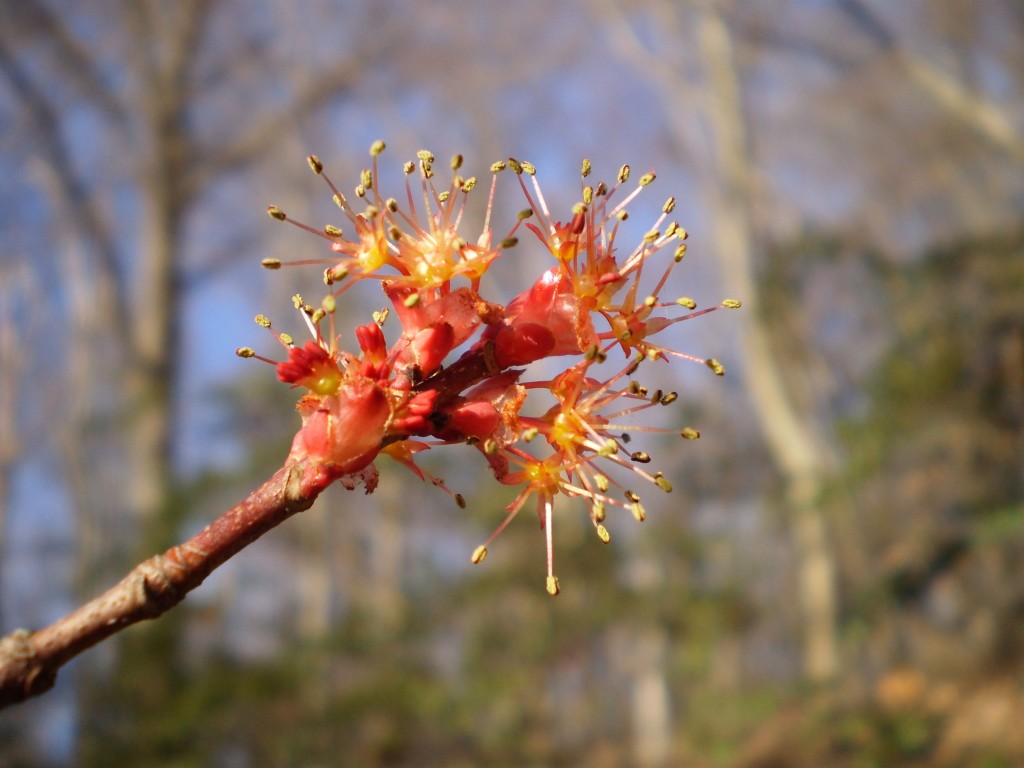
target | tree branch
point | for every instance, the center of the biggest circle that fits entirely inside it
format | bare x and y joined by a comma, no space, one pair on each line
29,661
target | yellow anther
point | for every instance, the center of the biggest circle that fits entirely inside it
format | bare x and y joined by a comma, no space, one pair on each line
377,147
552,585
602,534
585,168
716,367
245,352
478,555
731,303
315,164
687,302
263,321
271,263
690,433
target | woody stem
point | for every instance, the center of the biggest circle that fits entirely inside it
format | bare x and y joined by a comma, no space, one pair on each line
29,661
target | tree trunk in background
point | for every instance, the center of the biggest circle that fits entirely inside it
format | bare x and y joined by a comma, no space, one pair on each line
650,703
795,449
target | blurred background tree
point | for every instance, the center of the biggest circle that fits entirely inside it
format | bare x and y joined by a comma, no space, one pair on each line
853,512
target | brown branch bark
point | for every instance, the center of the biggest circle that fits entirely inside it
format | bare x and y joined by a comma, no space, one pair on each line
29,661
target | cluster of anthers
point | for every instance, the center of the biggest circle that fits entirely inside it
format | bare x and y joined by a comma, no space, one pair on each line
404,398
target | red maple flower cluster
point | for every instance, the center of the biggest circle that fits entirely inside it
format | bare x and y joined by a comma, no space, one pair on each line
401,399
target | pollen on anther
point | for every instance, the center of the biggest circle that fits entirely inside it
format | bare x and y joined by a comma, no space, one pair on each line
478,555
716,367
377,147
602,534
689,433
245,352
552,585
686,301
585,168
263,321
731,303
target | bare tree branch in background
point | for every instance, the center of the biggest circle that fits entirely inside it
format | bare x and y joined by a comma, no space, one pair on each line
985,116
169,161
